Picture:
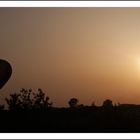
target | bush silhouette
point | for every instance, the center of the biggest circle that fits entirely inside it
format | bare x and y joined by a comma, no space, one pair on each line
73,102
28,100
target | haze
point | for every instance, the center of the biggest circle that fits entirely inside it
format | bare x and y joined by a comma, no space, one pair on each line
92,54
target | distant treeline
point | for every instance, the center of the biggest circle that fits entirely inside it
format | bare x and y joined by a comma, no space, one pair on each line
27,99
30,111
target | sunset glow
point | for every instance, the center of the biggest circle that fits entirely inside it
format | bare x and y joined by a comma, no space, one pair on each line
92,54
138,63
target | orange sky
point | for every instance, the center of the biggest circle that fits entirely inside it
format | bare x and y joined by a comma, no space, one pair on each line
88,53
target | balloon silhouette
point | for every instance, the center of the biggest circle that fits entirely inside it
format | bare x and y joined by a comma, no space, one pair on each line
5,72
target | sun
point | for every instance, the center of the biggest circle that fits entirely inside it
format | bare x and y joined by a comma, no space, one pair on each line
138,63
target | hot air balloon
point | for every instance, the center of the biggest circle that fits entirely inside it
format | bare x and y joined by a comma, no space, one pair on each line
5,72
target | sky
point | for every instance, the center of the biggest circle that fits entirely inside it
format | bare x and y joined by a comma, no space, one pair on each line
91,54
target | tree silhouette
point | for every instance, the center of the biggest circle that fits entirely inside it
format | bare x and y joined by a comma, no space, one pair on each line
14,102
73,102
107,103
40,101
25,99
93,104
28,100
1,107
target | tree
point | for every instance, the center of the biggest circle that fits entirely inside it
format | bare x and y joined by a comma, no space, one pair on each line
25,98
41,101
73,102
28,100
1,107
14,102
93,104
107,103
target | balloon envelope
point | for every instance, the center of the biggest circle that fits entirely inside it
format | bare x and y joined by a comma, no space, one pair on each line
5,72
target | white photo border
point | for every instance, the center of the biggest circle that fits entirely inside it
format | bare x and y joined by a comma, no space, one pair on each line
70,4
